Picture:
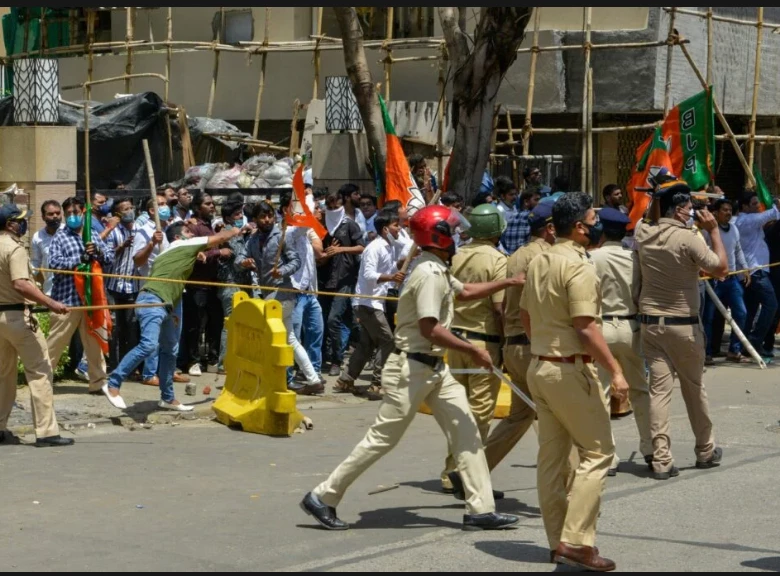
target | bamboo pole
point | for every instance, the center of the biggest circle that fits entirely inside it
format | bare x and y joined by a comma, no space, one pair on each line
44,31
294,128
440,116
721,117
494,130
72,27
188,156
168,50
261,83
756,80
512,139
116,79
215,71
529,103
587,14
669,59
388,53
596,129
589,190
392,60
714,17
130,32
88,97
734,326
152,185
317,56
709,46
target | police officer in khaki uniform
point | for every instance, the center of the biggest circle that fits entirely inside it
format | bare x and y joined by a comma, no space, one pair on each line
517,347
561,311
619,273
481,323
19,334
671,256
415,373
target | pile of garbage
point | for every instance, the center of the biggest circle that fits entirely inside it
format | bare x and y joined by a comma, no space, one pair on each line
261,171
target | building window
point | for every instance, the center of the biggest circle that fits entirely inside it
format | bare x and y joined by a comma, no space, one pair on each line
239,26
408,22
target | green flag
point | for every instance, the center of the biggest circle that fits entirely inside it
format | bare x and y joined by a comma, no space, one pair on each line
763,192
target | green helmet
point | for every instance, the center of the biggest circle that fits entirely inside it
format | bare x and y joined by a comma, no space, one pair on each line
486,221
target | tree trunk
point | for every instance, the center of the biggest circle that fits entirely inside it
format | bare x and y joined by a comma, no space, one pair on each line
363,86
479,67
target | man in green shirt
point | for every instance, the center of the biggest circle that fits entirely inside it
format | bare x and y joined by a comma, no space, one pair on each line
161,326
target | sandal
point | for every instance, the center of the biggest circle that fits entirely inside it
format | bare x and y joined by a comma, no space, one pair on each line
341,387
738,359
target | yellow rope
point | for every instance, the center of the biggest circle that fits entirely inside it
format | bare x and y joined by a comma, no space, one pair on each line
218,284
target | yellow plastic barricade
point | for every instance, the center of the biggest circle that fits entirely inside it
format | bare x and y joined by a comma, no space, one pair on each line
502,405
255,394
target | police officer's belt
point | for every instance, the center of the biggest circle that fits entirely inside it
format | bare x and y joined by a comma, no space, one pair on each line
519,339
669,320
476,336
614,318
435,362
14,307
567,359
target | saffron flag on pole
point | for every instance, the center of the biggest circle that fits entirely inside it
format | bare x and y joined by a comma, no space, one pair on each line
399,183
650,155
307,219
90,289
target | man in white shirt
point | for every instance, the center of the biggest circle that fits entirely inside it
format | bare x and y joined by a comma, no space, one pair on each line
368,208
51,211
378,268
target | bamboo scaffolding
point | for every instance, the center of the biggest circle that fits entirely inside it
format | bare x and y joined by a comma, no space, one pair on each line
589,182
294,128
388,52
129,38
44,31
215,71
116,79
512,139
88,97
168,50
317,55
72,24
261,82
709,46
756,79
262,144
440,115
715,18
529,102
719,113
587,14
669,59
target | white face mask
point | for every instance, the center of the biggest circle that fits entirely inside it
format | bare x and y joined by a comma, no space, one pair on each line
333,219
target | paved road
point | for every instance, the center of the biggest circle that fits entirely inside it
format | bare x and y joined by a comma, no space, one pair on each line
198,496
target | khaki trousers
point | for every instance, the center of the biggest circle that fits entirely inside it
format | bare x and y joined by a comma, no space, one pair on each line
508,431
482,391
679,349
572,410
407,384
623,339
62,329
18,340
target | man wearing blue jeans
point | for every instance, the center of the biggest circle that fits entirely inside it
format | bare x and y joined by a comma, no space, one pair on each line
751,222
161,325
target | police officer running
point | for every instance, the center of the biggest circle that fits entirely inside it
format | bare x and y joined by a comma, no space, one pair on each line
19,334
671,255
561,311
415,373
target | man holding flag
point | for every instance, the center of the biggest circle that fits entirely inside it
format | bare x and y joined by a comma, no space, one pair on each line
77,246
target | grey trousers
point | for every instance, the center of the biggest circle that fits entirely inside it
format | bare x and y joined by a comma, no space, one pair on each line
374,333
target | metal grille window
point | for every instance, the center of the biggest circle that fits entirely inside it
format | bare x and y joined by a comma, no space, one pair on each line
628,142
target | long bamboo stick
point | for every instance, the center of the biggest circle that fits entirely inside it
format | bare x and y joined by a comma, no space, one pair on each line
589,181
294,128
115,79
709,46
587,14
440,116
152,184
512,139
88,97
529,102
734,326
215,71
388,52
714,17
168,54
130,32
596,129
669,60
317,56
261,82
391,60
756,80
721,117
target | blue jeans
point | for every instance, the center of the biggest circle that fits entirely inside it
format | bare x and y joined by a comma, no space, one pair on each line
225,296
150,365
760,292
158,327
732,294
307,318
338,310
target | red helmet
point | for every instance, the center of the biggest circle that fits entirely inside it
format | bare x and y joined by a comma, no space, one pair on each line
434,226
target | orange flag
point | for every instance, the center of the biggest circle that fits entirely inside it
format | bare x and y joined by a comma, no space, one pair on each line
651,154
99,323
307,219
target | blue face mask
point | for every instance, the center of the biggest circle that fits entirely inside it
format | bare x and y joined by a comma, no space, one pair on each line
74,222
164,213
240,223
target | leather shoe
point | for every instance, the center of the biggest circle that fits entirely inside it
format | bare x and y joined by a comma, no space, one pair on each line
717,456
460,493
325,515
583,557
181,378
53,441
552,554
672,473
649,461
153,381
8,438
312,389
491,521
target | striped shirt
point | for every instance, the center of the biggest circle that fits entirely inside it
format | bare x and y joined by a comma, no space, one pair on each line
123,261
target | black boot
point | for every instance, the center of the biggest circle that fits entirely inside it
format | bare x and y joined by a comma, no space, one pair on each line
460,493
323,514
491,521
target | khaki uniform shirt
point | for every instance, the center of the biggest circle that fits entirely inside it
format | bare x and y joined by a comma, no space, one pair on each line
671,256
560,284
14,265
518,264
428,294
621,280
479,261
